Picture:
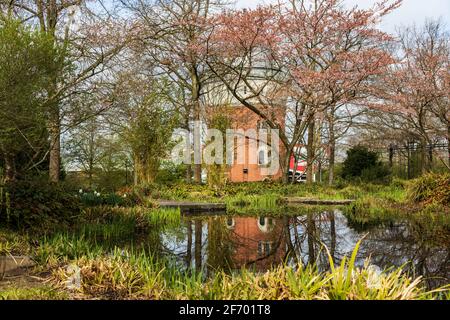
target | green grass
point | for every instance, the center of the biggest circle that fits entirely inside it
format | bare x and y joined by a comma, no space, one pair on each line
39,293
243,203
165,216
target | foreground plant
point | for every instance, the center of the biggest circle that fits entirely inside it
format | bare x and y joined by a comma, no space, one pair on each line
139,276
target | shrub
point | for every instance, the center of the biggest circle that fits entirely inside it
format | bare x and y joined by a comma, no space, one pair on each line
399,183
364,164
37,205
97,199
170,173
379,173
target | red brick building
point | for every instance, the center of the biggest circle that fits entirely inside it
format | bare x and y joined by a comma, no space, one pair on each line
244,119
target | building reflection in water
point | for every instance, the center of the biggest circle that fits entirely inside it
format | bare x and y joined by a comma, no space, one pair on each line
224,242
257,242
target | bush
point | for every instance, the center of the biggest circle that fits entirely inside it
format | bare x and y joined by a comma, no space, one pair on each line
364,164
171,173
399,183
430,188
37,205
379,173
97,199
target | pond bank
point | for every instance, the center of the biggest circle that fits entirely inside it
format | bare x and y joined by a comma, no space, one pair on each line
140,252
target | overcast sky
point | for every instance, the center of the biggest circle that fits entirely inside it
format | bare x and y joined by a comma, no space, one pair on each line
411,11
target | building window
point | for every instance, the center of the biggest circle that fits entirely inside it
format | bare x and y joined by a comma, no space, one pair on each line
265,224
262,221
264,248
267,248
230,223
261,157
260,248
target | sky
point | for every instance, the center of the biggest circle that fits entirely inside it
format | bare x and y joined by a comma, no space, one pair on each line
411,11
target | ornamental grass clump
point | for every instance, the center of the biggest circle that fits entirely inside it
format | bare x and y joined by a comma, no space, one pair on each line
430,188
141,276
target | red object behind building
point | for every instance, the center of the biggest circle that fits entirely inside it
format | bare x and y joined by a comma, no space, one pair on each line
301,166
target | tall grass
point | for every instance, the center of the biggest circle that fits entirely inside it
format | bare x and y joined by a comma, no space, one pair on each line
165,216
140,276
430,188
249,203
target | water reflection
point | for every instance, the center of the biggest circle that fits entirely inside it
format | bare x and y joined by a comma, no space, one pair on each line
224,242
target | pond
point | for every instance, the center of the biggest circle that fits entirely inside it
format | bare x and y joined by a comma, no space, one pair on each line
214,242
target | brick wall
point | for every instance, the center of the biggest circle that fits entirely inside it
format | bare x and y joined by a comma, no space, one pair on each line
243,118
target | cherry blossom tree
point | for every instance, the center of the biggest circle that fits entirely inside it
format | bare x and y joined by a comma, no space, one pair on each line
299,59
170,32
415,91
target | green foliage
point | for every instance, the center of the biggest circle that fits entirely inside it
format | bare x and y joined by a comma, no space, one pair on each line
219,120
364,164
95,198
37,206
11,243
170,173
38,293
148,133
379,173
254,203
29,63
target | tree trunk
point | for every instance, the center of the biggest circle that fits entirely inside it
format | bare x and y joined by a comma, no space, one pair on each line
430,157
135,171
408,150
310,153
91,155
54,122
391,156
198,245
423,157
310,230
332,155
285,171
55,147
332,234
448,143
188,173
332,163
189,243
197,118
188,166
198,173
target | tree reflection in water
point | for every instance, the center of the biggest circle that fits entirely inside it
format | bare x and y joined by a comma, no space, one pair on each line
227,243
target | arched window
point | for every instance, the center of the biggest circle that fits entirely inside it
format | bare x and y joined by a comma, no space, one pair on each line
265,224
262,221
230,223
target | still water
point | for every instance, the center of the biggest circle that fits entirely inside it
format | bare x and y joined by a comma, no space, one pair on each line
260,242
